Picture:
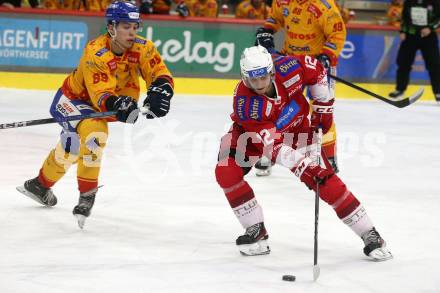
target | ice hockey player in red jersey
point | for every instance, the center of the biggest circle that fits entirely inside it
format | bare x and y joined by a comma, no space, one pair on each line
272,118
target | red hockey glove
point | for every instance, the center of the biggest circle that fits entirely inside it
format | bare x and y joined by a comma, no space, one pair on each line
311,173
322,115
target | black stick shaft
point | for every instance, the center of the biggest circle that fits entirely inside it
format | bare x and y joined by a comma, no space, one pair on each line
315,247
316,269
52,120
361,89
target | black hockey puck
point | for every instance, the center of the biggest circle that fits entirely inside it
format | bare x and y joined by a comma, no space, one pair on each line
290,278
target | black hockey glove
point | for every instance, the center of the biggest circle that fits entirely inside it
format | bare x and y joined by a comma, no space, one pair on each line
182,9
325,60
146,7
158,98
264,37
126,108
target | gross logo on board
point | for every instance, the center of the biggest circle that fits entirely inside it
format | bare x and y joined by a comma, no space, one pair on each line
44,43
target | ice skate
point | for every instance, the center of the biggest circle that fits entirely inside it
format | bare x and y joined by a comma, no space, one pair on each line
33,189
254,241
263,167
375,246
84,207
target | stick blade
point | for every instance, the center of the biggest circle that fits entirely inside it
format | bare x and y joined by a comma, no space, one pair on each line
316,272
403,102
417,95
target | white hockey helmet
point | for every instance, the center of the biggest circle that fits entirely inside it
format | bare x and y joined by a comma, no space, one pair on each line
255,62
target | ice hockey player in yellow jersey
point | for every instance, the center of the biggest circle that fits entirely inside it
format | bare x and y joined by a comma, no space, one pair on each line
252,9
312,27
106,79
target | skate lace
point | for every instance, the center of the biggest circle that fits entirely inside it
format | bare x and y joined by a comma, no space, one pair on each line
48,196
372,236
87,199
254,230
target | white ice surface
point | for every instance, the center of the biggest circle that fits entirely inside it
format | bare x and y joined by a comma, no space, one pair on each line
161,223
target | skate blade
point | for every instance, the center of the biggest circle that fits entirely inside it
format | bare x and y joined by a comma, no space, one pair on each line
263,173
380,254
81,220
22,190
259,248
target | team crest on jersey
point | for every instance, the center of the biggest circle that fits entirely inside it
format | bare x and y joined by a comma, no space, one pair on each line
101,52
287,67
256,108
285,11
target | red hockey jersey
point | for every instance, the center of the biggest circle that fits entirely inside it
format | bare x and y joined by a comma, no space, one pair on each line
289,111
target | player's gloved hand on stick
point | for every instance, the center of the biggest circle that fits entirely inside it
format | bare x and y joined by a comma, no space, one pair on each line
158,99
311,173
322,115
264,37
126,108
325,60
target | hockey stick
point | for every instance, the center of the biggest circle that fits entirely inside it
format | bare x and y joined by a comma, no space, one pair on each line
399,103
52,120
316,269
143,111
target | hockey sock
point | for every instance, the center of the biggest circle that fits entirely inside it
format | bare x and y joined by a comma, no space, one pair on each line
239,194
346,205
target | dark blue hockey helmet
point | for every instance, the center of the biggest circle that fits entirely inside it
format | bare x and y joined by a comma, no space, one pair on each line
121,11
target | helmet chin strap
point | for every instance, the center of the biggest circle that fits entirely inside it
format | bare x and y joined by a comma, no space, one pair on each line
112,34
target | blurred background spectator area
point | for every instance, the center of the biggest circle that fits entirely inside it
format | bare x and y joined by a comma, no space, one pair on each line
382,12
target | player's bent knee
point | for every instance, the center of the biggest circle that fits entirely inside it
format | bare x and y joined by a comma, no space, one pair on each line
332,189
228,173
93,131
